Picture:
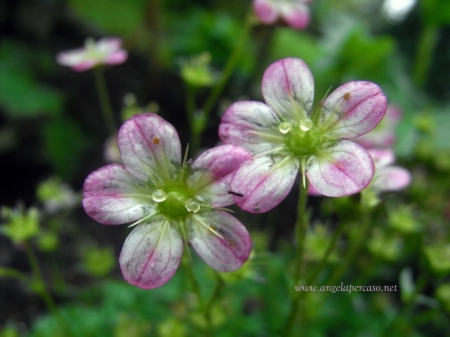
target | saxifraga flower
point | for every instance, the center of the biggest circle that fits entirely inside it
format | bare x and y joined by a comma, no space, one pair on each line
287,135
295,13
105,51
169,201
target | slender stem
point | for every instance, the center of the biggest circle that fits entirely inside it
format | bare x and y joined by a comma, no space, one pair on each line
354,248
190,109
41,288
425,50
104,100
229,67
287,330
421,283
300,230
188,267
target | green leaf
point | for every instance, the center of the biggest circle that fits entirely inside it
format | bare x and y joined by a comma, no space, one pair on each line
64,142
436,13
115,16
21,94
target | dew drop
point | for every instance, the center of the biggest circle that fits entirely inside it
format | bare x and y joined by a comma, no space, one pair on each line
306,124
285,127
159,195
192,206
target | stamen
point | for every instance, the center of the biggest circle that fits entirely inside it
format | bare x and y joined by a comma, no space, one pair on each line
159,195
285,127
192,206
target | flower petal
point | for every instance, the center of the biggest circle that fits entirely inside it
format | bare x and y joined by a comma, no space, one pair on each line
382,157
352,110
264,181
212,172
151,253
150,147
110,196
296,15
117,57
392,178
252,125
288,87
108,45
220,239
265,11
341,169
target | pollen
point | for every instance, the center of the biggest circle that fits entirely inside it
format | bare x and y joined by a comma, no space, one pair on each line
156,140
346,96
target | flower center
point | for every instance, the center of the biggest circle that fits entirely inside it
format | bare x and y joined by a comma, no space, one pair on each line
175,202
304,139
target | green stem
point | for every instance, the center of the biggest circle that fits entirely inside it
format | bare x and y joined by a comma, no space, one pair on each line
354,248
41,288
421,283
425,50
229,67
104,100
190,109
287,330
188,267
300,230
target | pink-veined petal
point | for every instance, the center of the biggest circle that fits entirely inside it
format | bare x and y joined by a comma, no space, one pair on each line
352,110
288,87
150,147
111,196
264,181
342,169
151,253
108,45
265,11
84,65
117,57
212,172
296,15
72,57
391,178
251,125
382,157
220,239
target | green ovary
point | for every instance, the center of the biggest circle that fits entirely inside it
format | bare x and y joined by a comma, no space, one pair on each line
174,206
304,143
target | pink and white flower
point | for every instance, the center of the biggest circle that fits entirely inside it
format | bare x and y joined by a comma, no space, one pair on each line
388,178
295,13
104,51
383,135
169,201
287,135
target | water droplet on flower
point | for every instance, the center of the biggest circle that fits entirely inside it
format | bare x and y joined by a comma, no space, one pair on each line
192,206
159,195
285,127
306,124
